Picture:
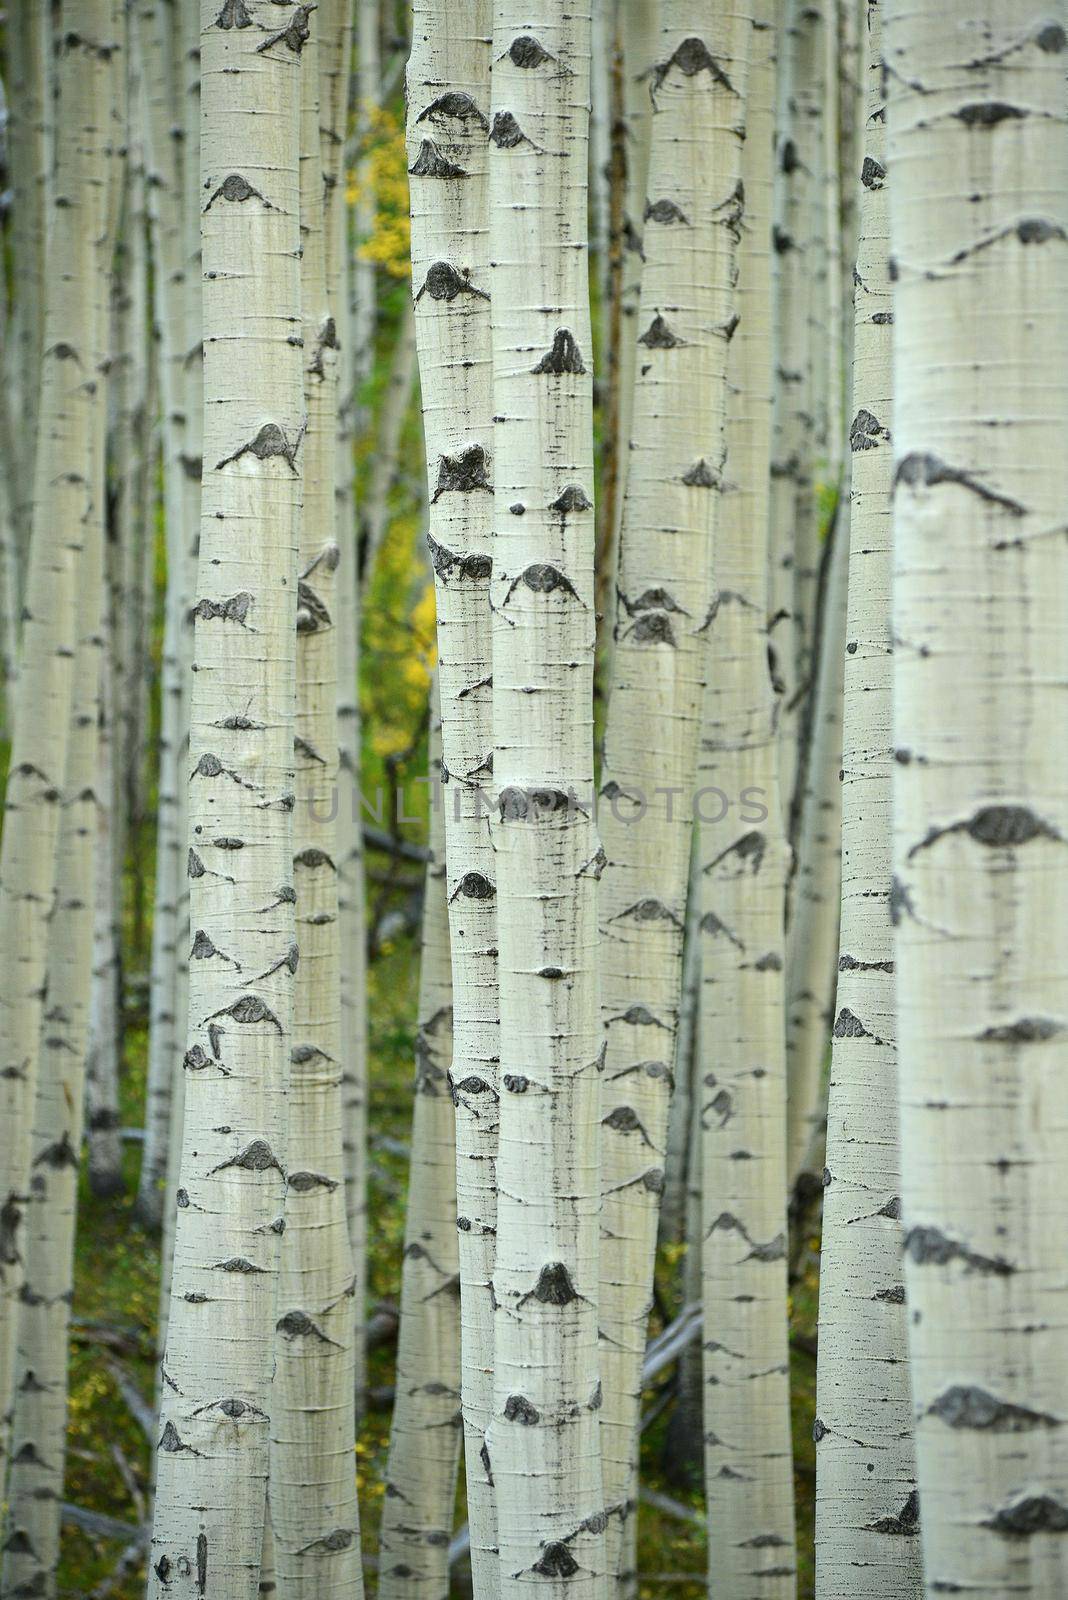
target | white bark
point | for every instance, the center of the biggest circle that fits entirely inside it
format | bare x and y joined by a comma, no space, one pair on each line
980,778
362,279
62,488
427,1421
105,1029
449,106
543,1442
740,1085
867,1521
314,1515
698,78
215,1420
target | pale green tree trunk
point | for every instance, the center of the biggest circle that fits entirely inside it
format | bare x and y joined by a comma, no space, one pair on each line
42,702
698,78
739,1082
314,1515
978,164
867,1513
427,1425
212,1454
543,1445
448,120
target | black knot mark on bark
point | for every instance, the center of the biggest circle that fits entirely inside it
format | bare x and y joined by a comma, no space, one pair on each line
255,1157
872,173
528,52
172,1443
772,962
331,1543
20,1544
997,827
269,442
234,14
237,190
655,599
444,282
239,1264
298,1325
848,1026
652,627
473,886
573,498
789,161
691,57
541,578
639,1016
430,163
1025,1030
554,1287
1036,230
712,925
556,1561
305,1182
565,355
312,614
658,336
506,133
517,1408
10,1222
445,562
313,858
895,1295
462,474
58,1155
773,1249
866,431
295,34
1051,38
648,909
700,476
906,1523
1038,1513
848,963
454,103
748,852
664,211
233,609
249,1009
931,1247
967,1406
988,113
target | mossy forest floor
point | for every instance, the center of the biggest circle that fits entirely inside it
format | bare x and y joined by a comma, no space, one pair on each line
115,1297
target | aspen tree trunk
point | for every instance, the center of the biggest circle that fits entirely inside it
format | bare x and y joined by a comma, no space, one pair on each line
813,932
215,1422
42,698
867,1521
448,121
740,1080
105,1042
427,1424
665,604
374,517
791,465
314,1515
165,1025
368,91
31,1549
602,49
544,1440
677,1155
980,785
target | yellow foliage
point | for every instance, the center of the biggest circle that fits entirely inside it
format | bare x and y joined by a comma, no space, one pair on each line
381,179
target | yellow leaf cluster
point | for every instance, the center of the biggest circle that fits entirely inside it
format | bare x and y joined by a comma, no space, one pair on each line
381,179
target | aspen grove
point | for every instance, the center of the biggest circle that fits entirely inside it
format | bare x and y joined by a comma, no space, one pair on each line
533,630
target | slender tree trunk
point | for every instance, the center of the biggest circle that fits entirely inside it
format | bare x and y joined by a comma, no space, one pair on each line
427,1423
740,1084
980,777
677,1155
665,605
449,109
362,316
374,515
314,1515
813,933
43,694
213,1444
165,1025
105,1029
867,1521
543,1443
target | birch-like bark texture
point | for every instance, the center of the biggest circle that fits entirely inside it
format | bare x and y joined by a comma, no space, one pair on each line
664,586
102,1120
164,154
42,696
38,1439
980,785
867,1522
427,1425
314,1515
214,1429
544,1439
813,930
740,1083
448,121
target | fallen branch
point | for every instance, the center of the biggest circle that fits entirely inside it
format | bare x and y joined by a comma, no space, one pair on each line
100,1526
136,1404
670,1508
402,849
